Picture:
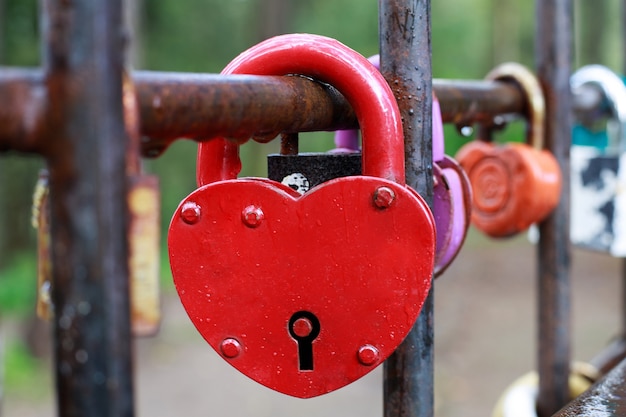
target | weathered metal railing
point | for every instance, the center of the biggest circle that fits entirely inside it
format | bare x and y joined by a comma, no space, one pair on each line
553,59
187,105
85,147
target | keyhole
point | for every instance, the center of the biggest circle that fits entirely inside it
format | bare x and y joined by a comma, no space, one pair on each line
304,327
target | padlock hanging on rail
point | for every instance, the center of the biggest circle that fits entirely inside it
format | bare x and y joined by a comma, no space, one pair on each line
515,184
598,167
306,294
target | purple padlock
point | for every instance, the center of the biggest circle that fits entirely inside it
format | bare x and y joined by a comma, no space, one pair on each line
452,197
452,192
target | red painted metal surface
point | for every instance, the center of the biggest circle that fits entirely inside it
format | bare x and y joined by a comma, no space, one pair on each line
256,255
307,294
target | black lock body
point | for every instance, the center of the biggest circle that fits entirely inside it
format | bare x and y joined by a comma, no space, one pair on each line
304,171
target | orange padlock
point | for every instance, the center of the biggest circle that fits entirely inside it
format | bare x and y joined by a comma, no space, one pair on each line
515,184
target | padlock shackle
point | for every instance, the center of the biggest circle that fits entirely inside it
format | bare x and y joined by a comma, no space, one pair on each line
437,128
349,139
614,92
532,91
329,61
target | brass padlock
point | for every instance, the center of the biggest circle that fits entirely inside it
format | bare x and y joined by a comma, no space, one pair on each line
520,398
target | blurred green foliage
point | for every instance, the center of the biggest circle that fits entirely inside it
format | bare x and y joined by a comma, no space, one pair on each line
468,39
18,284
20,33
25,375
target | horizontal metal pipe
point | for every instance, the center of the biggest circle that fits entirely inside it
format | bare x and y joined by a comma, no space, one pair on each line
606,398
23,101
200,106
611,355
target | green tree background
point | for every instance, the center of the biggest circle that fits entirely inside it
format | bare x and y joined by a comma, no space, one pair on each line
469,37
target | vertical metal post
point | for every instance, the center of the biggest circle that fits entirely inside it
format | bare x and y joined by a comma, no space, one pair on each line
405,52
86,147
623,68
553,56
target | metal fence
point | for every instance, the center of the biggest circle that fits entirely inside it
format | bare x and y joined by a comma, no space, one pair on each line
70,112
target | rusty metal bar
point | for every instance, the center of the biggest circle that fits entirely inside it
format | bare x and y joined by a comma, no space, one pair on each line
23,95
553,57
606,398
85,143
405,55
175,105
465,102
610,356
237,106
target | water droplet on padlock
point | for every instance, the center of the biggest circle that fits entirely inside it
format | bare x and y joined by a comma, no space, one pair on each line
467,131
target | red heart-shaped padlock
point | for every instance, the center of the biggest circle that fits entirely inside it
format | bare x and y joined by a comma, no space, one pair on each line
306,294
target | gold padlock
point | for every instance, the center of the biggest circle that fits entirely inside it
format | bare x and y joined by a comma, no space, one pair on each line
520,398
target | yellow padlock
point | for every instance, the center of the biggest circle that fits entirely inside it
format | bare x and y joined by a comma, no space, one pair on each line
520,398
143,237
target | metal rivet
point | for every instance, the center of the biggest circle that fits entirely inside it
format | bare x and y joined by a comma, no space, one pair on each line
302,327
368,355
252,216
383,197
230,348
190,213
